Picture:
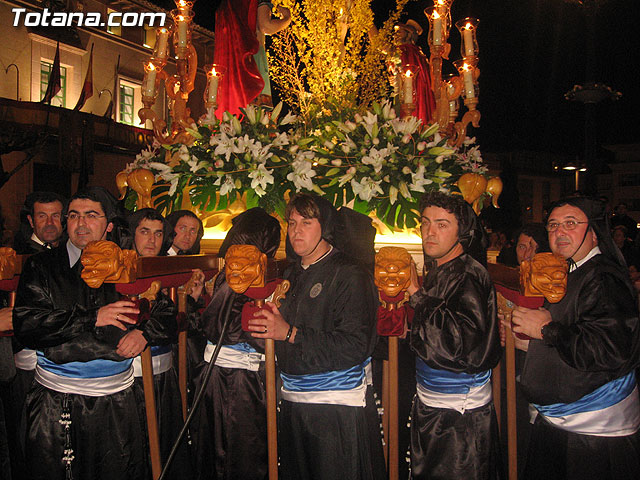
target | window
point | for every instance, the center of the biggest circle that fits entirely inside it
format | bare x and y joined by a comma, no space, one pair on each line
126,104
60,99
114,30
149,37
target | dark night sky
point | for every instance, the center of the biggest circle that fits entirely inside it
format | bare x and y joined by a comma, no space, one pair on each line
531,53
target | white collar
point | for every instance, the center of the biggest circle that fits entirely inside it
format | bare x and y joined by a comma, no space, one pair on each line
594,251
171,252
323,256
74,253
35,238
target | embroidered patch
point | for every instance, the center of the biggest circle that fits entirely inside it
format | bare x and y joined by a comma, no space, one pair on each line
315,290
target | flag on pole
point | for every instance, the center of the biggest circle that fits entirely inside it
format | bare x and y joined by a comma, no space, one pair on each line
54,85
87,86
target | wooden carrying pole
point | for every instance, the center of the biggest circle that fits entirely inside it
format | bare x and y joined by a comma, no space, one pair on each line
393,456
270,379
509,278
150,408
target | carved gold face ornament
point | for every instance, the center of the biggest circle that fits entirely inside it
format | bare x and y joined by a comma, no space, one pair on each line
392,272
245,267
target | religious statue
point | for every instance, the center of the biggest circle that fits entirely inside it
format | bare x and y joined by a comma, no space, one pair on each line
245,266
241,26
105,262
412,58
544,275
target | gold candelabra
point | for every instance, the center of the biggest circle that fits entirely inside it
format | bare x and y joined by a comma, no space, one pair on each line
447,91
180,85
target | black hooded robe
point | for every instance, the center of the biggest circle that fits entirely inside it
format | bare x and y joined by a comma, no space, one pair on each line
55,312
592,340
455,328
333,305
229,430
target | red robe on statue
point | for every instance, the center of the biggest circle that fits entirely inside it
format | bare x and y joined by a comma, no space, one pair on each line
235,45
411,55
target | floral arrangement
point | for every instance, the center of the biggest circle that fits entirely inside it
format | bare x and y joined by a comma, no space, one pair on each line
373,161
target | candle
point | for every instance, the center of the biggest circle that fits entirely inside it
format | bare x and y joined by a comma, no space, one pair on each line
213,86
161,48
437,29
408,87
150,84
182,31
183,7
467,36
467,76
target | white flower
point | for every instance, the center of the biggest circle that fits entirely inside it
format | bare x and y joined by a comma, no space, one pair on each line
227,186
173,179
406,126
418,181
388,112
227,129
366,188
209,118
336,162
288,118
351,171
195,164
183,153
224,145
376,158
302,173
280,140
260,177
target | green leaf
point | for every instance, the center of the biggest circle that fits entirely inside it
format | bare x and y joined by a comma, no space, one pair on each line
332,171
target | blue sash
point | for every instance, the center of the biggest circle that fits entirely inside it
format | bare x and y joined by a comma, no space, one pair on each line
443,381
607,395
93,369
347,379
160,350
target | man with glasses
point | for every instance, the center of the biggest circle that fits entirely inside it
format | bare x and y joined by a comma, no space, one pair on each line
579,372
82,418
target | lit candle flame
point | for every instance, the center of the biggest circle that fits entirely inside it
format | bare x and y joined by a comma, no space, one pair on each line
468,26
213,72
408,73
151,66
436,15
180,18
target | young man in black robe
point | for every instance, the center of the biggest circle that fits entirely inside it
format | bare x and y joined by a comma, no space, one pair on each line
325,332
149,234
579,372
81,416
456,339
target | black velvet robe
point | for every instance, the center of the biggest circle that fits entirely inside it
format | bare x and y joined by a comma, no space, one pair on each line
55,312
333,304
594,338
230,427
455,328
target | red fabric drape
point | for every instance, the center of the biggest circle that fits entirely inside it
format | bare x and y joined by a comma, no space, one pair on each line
424,100
235,45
